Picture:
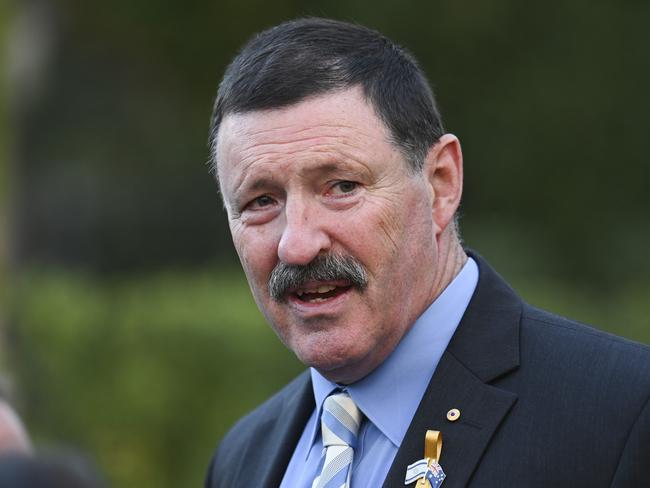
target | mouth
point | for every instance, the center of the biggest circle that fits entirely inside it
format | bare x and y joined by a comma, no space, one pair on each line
319,292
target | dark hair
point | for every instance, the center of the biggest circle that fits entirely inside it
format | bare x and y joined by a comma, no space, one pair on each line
302,58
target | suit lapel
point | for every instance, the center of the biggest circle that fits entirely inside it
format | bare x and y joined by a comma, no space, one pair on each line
482,408
277,444
484,347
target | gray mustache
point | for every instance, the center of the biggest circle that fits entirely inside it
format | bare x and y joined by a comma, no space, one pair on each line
329,267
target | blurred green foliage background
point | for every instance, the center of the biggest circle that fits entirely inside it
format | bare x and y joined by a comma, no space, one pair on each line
127,326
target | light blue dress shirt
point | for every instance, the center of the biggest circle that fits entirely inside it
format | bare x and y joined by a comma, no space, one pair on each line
390,395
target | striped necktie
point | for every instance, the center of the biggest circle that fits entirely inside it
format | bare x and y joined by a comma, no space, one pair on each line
340,422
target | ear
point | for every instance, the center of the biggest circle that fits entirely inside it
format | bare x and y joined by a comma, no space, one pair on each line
443,169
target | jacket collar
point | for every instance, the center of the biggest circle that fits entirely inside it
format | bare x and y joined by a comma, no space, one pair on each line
484,347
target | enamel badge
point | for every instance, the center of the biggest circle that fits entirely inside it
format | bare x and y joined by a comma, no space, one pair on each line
427,472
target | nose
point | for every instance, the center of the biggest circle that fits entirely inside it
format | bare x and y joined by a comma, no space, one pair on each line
304,236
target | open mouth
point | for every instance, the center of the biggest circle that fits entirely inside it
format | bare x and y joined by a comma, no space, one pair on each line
319,293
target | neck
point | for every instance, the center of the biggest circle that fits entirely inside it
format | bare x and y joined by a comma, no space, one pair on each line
451,259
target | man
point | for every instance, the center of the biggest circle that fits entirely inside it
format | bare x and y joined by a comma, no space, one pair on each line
341,190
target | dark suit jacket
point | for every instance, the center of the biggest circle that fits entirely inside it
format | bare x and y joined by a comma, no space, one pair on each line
544,402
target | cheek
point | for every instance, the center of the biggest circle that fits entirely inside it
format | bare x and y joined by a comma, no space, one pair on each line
388,228
377,228
257,250
391,225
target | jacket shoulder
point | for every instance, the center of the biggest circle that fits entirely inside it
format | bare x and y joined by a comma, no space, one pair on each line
566,334
267,412
577,361
581,411
253,433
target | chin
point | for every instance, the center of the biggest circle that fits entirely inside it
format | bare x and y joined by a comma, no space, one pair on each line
324,361
336,364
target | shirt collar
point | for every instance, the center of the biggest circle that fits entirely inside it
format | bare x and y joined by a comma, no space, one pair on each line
408,369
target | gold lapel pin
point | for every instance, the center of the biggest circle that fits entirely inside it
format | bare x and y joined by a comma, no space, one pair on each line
453,415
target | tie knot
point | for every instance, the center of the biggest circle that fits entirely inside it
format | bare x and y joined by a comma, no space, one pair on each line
340,421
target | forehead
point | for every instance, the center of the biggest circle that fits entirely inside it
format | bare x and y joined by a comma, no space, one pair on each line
336,126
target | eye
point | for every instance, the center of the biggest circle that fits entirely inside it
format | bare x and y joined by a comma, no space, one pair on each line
260,202
343,187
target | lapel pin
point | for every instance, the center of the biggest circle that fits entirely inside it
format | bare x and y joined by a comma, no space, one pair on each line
427,472
453,415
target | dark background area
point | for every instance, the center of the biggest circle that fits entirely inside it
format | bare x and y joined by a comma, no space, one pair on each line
127,327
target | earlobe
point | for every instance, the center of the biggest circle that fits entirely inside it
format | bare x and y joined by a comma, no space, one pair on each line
444,171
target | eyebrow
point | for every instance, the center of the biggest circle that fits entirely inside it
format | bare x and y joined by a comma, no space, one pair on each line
260,183
334,167
242,191
265,182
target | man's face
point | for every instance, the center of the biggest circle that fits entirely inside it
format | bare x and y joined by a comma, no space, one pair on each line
322,178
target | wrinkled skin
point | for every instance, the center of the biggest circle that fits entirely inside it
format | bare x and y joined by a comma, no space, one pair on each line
323,177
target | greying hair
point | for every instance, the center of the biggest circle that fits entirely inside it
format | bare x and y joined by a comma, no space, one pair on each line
328,267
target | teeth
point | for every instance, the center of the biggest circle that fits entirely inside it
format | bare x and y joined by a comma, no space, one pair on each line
320,289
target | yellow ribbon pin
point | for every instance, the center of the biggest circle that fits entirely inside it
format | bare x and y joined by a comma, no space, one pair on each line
432,450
